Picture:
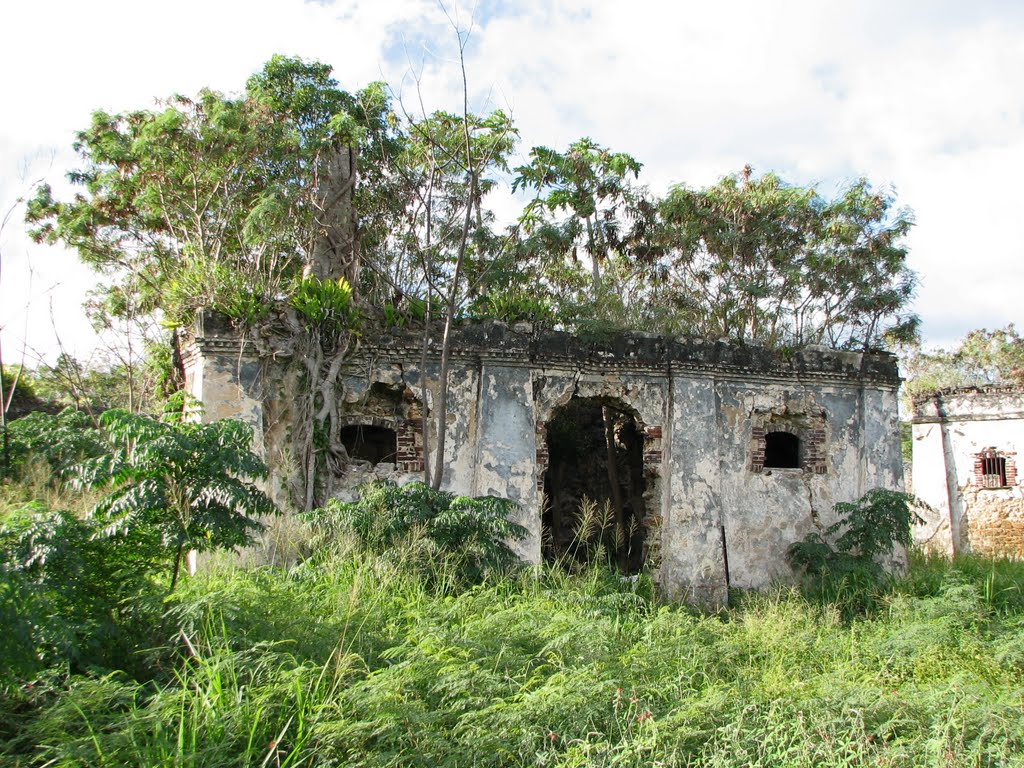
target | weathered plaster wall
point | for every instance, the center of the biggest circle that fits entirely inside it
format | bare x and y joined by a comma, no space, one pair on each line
716,517
951,431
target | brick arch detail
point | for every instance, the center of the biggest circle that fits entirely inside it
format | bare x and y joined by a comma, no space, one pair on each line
809,428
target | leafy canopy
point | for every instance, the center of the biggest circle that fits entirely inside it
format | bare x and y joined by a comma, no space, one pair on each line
212,200
223,201
756,258
981,358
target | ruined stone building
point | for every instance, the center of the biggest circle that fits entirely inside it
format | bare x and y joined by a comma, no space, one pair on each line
965,468
722,455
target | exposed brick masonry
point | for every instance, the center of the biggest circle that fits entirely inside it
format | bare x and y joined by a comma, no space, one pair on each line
811,436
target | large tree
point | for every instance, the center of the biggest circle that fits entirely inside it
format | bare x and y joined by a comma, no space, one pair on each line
980,358
754,258
220,201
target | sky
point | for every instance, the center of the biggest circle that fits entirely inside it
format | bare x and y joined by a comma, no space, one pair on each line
920,96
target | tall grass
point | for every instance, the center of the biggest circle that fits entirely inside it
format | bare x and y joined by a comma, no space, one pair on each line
361,661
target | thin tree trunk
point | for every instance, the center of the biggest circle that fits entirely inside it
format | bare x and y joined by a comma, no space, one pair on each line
428,319
177,564
595,269
3,418
442,395
424,421
613,479
453,292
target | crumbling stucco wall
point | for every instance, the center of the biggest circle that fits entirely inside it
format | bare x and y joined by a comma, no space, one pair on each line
954,432
716,515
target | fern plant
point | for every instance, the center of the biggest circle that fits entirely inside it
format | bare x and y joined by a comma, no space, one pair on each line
177,487
327,304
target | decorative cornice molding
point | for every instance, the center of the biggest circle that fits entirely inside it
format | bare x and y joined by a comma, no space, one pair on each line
495,343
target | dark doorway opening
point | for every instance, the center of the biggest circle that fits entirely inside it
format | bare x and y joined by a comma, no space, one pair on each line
781,451
595,454
368,443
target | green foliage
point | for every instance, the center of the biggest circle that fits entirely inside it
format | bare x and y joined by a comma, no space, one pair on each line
223,201
325,304
177,486
221,287
584,201
18,395
443,249
82,589
906,441
981,358
513,306
72,599
458,536
355,662
997,583
848,560
211,200
756,258
60,440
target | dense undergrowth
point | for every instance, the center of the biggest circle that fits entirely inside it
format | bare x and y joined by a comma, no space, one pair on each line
356,659
410,636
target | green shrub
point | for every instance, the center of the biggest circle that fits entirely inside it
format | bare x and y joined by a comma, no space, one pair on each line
846,564
325,304
60,440
173,487
460,538
73,599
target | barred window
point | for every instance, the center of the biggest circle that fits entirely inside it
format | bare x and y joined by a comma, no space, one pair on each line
993,471
995,468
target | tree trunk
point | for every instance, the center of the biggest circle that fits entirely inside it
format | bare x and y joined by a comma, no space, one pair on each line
621,547
4,401
177,565
335,250
595,268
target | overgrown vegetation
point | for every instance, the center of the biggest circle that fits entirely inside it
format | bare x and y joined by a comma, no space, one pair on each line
469,536
981,358
297,208
360,662
850,558
83,573
224,200
412,636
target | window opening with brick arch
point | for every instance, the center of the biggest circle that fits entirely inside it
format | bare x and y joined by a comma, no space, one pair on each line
785,439
781,450
994,469
595,453
367,442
